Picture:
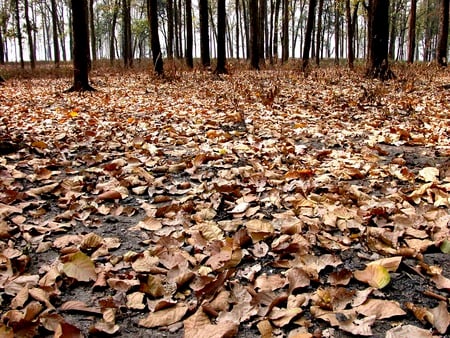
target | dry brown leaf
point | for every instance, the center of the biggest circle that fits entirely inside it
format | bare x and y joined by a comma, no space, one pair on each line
165,317
80,267
380,308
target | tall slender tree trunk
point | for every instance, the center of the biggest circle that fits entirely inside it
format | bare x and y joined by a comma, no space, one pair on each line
236,5
221,50
152,10
112,33
319,32
308,34
350,34
254,34
19,33
441,53
81,57
285,37
55,33
261,26
275,28
127,45
92,30
336,31
2,48
189,37
179,28
169,8
29,27
412,31
379,38
246,28
204,33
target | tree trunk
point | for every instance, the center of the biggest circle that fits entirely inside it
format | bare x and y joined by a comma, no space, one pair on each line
92,30
350,33
285,28
189,38
127,46
393,31
412,31
2,48
81,58
237,28
204,33
254,34
319,32
275,28
246,28
308,34
29,27
221,22
19,33
152,10
441,52
112,33
336,31
378,40
261,27
55,33
169,9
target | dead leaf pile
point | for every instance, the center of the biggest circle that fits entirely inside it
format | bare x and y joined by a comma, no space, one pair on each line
200,207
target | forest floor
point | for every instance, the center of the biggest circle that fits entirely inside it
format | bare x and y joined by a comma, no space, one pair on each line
265,203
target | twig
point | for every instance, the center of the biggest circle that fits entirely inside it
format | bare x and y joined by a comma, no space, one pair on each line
434,295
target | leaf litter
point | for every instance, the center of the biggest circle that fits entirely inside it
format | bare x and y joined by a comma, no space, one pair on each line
266,204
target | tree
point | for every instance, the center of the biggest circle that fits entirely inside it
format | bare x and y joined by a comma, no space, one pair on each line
19,32
189,37
127,46
81,57
285,29
412,31
254,34
92,30
112,35
55,33
221,26
169,9
319,32
308,34
378,65
441,53
204,33
152,11
29,26
350,34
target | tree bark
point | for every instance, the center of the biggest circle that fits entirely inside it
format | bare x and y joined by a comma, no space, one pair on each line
261,26
412,31
189,38
308,34
204,33
112,35
285,28
152,10
127,46
19,33
55,33
236,5
29,27
336,32
92,30
221,50
169,9
254,34
81,57
350,34
319,32
441,52
2,48
379,40
275,28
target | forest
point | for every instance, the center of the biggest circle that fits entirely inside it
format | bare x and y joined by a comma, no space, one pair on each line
242,168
